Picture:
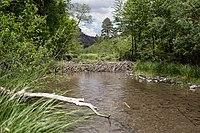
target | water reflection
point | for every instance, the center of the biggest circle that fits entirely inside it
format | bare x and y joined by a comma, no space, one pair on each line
136,107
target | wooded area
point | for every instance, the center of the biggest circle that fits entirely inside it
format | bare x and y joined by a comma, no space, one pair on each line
161,30
36,34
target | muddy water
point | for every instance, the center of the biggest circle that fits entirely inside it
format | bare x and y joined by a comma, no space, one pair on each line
136,107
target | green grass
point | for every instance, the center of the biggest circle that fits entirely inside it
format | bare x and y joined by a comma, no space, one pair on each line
178,72
110,49
89,57
36,117
95,57
22,115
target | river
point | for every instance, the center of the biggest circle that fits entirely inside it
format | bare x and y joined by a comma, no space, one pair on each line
135,107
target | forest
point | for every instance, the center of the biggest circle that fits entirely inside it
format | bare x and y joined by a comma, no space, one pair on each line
156,30
36,34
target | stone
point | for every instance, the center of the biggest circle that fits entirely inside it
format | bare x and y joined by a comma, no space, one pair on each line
194,87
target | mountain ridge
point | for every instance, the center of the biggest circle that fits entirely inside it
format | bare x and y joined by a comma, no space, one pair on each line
86,40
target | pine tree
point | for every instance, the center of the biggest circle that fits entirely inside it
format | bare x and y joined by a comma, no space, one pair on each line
107,28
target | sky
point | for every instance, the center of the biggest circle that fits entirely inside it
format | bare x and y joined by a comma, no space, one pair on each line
100,9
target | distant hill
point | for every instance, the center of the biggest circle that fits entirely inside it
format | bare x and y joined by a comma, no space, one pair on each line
86,40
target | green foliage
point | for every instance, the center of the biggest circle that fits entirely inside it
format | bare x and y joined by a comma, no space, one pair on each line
187,73
110,46
161,30
115,48
24,76
21,115
33,32
107,28
94,57
18,40
81,12
89,56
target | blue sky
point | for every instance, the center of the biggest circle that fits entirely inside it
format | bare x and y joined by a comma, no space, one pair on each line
100,9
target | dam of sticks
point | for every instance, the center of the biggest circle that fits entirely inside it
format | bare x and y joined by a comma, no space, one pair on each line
73,67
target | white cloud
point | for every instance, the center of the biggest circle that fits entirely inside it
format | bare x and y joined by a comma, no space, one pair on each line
88,31
100,9
95,3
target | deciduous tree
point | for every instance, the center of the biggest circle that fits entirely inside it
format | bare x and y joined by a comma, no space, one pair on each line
81,12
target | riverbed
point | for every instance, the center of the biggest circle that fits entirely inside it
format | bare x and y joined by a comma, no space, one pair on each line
135,107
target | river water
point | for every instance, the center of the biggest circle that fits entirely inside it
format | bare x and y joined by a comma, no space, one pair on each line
135,107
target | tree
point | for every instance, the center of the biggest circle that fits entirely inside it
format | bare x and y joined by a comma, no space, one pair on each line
30,35
169,28
107,28
118,14
81,12
133,18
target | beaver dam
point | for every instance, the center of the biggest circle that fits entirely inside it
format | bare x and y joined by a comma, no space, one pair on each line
73,67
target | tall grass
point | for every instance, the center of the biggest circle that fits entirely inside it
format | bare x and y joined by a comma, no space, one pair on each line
20,115
38,117
185,73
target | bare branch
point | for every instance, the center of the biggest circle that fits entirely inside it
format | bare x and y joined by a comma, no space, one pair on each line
76,101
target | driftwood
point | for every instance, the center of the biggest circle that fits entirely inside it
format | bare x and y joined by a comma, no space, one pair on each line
77,101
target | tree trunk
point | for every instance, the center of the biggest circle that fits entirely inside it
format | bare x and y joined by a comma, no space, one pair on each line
132,48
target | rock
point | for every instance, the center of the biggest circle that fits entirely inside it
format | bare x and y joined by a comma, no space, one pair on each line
193,87
140,80
149,80
142,77
155,80
163,79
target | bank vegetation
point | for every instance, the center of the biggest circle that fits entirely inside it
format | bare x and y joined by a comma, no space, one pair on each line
36,34
163,33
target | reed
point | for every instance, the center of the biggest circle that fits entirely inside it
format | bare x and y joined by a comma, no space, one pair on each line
21,115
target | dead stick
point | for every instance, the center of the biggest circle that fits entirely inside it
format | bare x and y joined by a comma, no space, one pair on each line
77,101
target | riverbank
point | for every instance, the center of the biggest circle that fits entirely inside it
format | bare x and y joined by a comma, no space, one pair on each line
170,73
151,72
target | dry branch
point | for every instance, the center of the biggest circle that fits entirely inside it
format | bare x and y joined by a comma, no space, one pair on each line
77,101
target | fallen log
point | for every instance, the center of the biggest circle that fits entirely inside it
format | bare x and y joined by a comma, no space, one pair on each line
76,101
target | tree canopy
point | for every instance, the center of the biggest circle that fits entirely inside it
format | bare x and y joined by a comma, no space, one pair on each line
32,31
81,12
167,30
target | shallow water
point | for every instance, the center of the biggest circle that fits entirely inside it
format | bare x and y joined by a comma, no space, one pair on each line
135,107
